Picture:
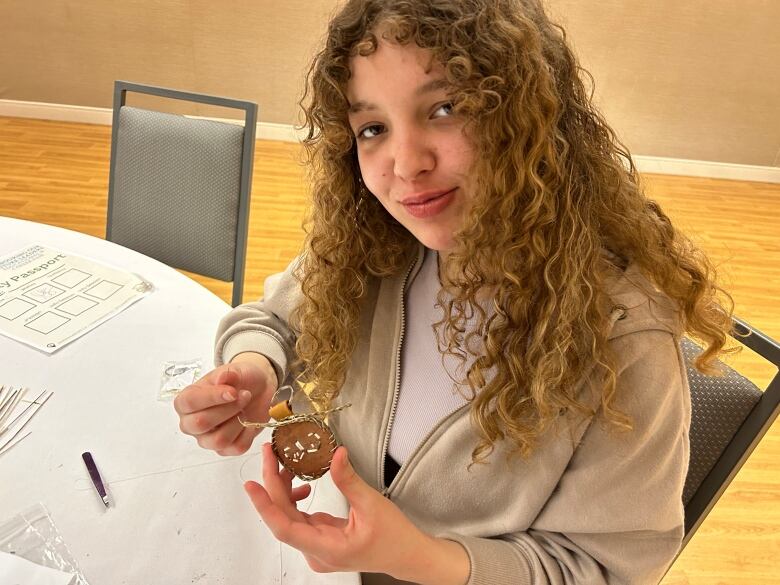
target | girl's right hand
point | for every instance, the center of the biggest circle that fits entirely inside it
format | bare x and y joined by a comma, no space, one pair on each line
207,409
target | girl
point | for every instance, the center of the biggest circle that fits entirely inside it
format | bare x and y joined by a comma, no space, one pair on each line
484,281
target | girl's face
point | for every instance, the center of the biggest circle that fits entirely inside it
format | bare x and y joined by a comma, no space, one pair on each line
413,153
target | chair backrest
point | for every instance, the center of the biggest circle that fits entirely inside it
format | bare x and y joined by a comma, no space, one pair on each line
179,187
729,416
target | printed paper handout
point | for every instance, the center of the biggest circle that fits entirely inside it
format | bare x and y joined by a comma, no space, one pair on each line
49,298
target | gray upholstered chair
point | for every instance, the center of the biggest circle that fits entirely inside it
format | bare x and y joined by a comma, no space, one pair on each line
179,187
729,416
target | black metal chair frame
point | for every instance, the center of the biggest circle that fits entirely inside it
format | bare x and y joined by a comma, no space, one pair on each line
752,430
250,123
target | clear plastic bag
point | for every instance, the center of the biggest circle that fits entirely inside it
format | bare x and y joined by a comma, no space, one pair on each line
32,535
177,376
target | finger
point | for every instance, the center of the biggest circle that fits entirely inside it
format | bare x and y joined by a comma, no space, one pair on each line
229,376
208,419
349,483
319,566
242,443
286,474
300,492
225,374
266,507
222,437
289,477
323,519
296,494
201,396
297,534
275,484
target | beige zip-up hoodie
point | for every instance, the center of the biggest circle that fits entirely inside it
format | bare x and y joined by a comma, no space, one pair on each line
591,505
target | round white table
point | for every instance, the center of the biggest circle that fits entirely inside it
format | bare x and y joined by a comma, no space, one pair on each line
178,513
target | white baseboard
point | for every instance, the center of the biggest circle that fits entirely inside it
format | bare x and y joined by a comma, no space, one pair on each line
59,112
701,168
288,133
103,116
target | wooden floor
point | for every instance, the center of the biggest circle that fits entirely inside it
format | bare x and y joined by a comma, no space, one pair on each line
57,173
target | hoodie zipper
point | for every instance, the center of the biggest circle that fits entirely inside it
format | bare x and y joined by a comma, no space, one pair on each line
397,390
617,313
422,444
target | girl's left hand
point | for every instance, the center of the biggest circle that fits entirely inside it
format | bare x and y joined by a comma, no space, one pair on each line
376,537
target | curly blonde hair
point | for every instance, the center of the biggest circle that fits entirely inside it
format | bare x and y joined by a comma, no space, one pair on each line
553,189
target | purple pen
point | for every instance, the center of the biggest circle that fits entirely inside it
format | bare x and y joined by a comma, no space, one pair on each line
97,481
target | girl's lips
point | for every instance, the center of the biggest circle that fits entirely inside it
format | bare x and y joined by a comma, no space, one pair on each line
431,207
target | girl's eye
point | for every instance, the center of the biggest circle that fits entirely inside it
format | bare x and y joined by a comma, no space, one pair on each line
442,111
370,131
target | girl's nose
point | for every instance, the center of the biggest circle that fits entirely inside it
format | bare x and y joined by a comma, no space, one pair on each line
413,155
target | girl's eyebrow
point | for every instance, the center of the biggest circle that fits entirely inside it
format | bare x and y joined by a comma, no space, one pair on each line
427,87
432,85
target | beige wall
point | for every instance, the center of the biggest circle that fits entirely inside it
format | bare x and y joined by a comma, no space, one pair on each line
695,79
71,52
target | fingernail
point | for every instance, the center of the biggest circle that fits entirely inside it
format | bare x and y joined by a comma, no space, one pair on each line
228,396
246,395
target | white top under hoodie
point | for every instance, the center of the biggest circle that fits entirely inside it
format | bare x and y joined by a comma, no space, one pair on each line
428,391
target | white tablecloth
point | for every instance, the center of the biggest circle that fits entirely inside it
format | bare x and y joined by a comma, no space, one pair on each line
178,513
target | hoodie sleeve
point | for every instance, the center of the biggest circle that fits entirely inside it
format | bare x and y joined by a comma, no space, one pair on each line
262,326
616,515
